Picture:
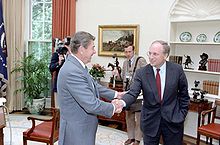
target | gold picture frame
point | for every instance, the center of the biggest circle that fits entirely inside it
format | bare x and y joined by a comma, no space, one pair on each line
112,39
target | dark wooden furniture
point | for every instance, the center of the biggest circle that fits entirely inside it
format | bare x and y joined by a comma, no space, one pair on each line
118,87
51,89
116,118
2,125
199,107
47,131
211,130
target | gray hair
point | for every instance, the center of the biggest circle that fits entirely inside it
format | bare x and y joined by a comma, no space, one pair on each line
80,38
165,45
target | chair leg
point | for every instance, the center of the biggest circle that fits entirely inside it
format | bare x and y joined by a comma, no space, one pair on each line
210,141
207,140
24,141
198,139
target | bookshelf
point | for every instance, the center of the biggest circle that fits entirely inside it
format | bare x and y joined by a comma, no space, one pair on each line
196,20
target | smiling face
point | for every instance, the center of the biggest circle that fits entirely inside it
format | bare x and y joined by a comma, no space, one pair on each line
157,55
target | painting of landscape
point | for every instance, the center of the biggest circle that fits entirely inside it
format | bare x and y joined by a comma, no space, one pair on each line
112,39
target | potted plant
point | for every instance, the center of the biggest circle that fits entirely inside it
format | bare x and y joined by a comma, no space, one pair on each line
34,79
97,72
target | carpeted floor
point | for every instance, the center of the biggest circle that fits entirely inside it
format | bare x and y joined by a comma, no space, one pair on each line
105,135
19,123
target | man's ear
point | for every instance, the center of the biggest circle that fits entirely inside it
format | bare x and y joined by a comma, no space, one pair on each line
80,48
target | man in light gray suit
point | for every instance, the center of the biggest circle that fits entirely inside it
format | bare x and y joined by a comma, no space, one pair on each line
78,95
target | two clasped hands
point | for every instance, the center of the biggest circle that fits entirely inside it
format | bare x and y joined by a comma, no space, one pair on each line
119,104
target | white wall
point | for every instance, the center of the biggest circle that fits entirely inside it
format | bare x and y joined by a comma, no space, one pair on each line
151,15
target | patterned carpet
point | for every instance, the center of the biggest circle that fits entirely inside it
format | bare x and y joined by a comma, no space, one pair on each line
105,135
19,123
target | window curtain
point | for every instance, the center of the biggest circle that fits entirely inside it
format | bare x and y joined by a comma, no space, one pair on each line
63,18
63,24
14,12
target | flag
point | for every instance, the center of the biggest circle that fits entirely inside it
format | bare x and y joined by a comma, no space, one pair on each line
3,56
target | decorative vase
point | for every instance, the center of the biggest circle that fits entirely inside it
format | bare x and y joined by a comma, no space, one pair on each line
37,106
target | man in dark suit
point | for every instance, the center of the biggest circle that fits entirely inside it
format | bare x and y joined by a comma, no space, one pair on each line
57,60
165,97
79,95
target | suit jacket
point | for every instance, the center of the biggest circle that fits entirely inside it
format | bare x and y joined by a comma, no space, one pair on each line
174,106
78,98
126,69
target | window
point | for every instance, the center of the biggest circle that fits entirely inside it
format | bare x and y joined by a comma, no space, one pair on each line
41,19
40,31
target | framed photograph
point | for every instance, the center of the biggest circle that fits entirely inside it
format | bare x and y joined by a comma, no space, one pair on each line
112,39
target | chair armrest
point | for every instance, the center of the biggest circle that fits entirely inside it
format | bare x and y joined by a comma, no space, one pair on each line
204,113
37,118
40,118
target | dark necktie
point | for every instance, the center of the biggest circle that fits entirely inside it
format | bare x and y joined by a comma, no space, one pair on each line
158,83
129,63
86,68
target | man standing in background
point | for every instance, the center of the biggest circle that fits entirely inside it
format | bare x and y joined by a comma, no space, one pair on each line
133,113
56,62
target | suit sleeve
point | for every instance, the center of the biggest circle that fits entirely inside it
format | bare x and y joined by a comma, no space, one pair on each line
82,92
135,89
54,63
105,92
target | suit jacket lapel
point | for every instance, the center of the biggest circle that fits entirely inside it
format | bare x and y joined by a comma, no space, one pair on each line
95,88
88,76
152,81
92,84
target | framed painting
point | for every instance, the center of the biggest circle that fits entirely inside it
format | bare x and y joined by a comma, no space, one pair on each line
113,38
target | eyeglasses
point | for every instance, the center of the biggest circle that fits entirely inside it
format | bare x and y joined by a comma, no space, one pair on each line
152,54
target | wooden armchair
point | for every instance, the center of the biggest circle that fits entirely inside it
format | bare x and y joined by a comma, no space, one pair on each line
47,131
211,130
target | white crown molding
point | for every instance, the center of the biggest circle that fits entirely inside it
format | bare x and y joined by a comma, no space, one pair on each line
195,10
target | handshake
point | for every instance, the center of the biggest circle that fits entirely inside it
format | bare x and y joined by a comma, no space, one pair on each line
119,104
